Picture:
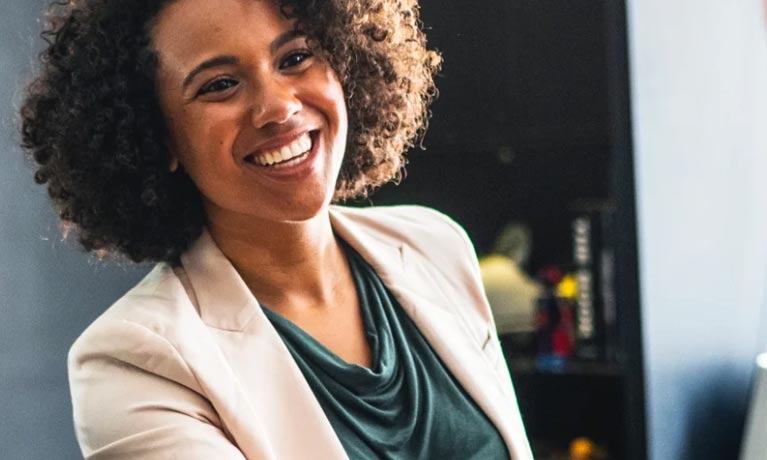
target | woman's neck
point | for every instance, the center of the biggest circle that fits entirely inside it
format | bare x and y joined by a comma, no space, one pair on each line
287,265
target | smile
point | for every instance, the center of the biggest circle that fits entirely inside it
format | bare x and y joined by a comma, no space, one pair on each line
286,156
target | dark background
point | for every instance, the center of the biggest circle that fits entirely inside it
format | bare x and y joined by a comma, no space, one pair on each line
520,131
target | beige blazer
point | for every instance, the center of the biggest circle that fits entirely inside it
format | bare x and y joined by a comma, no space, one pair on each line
187,366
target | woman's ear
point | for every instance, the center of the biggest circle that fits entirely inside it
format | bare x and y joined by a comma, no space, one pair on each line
173,162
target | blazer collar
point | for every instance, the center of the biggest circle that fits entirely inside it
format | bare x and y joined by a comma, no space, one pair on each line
225,302
223,299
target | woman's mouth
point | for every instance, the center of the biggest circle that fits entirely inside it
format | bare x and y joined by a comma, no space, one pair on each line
286,156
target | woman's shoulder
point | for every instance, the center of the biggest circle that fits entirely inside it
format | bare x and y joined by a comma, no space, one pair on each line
412,223
141,329
438,243
132,384
426,232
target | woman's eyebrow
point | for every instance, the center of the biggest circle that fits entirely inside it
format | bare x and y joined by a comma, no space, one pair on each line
210,63
284,38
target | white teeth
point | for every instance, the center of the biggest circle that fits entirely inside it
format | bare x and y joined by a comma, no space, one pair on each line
285,153
294,161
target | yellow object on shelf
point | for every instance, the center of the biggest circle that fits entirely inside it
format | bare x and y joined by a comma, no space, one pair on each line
581,449
586,449
568,287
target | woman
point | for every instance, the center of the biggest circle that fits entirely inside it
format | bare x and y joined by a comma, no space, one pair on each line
212,137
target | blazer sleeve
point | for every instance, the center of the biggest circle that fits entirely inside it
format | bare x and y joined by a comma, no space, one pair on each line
133,398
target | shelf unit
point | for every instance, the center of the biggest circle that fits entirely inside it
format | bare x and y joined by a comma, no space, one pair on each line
534,115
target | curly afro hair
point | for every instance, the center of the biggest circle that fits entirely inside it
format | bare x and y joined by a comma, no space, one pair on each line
92,123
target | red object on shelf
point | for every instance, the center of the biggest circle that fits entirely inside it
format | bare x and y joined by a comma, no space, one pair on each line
551,276
563,337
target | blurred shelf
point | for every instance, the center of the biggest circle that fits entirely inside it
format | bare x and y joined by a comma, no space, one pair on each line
530,365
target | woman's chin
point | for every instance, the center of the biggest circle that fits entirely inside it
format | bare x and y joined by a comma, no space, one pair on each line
301,211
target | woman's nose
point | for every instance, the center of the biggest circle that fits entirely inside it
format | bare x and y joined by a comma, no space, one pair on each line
274,102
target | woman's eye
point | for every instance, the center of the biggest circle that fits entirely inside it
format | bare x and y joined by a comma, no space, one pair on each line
218,85
295,59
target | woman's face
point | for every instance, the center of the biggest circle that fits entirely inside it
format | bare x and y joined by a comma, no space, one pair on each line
255,119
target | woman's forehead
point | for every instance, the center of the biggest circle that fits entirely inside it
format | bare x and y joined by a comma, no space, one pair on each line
187,29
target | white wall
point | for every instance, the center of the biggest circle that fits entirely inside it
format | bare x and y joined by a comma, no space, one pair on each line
699,95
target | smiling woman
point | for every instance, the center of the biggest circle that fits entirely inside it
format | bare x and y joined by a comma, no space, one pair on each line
212,138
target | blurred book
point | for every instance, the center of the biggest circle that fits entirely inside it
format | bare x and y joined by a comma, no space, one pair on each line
594,267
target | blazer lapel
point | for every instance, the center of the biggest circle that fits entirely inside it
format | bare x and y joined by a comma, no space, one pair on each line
411,283
455,344
259,391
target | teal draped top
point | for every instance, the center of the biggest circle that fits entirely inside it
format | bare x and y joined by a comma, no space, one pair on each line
408,406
